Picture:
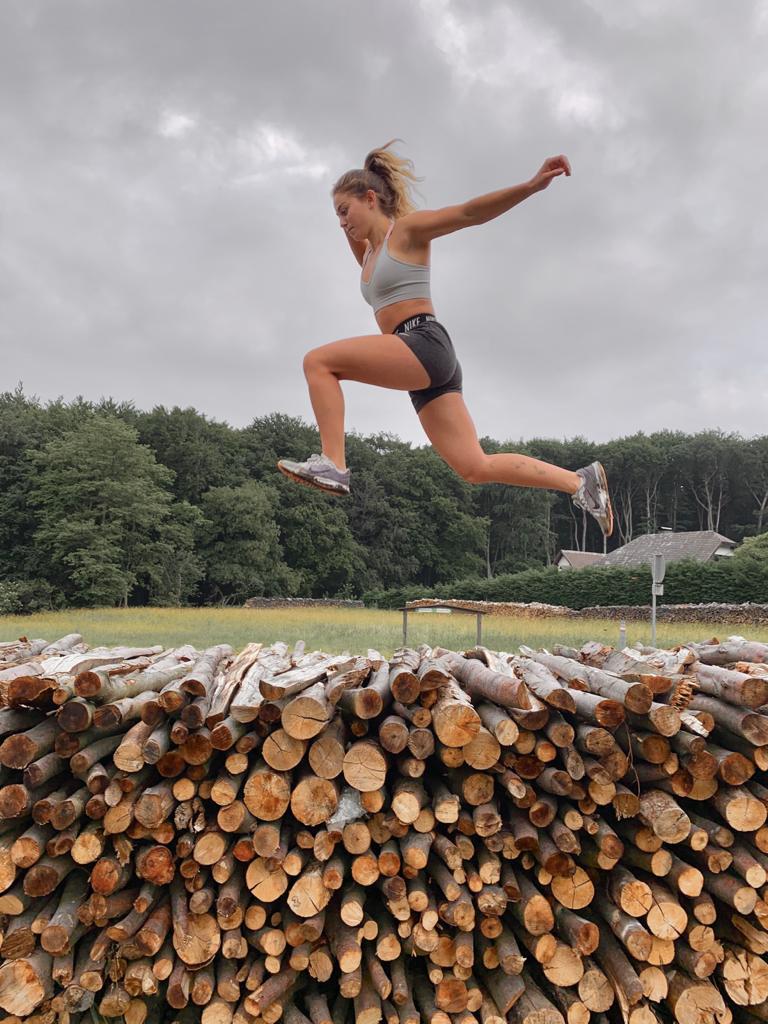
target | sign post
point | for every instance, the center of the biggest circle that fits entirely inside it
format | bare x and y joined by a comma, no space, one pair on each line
658,568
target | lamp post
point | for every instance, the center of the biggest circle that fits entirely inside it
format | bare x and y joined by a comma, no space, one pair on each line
658,568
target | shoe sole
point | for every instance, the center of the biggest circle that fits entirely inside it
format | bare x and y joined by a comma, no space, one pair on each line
604,485
309,483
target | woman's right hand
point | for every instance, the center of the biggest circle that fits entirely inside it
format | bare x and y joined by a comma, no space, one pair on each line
552,167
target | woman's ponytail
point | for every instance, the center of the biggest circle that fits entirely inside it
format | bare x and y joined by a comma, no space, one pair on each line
388,175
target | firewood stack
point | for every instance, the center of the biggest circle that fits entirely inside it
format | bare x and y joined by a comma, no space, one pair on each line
538,838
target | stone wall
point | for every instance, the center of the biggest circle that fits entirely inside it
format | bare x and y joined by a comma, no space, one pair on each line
724,614
729,614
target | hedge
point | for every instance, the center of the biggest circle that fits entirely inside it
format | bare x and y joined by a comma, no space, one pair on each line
688,582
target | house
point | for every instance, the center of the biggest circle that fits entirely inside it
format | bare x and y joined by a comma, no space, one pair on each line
577,559
700,545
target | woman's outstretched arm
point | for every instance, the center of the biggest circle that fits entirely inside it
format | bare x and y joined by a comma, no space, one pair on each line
428,224
486,207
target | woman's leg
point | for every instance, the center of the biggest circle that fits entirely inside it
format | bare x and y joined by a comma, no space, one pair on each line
381,359
449,427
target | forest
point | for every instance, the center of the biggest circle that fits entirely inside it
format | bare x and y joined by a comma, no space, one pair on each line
104,504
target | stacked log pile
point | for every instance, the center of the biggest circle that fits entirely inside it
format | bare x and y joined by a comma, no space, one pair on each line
453,838
520,609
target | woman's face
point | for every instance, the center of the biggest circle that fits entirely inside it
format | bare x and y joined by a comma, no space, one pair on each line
354,214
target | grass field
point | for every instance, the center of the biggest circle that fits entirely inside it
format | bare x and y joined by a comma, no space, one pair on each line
338,629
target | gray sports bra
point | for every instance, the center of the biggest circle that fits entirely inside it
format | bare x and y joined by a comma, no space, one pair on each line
393,280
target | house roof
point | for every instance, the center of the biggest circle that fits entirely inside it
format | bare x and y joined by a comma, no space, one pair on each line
697,544
580,559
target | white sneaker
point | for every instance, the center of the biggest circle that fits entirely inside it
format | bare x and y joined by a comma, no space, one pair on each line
318,471
592,496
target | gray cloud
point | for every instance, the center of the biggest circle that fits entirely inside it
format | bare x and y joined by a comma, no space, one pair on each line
168,235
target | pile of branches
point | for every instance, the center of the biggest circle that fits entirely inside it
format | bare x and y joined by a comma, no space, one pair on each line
454,838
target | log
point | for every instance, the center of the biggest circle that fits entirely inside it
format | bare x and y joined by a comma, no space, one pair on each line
741,722
744,977
368,701
21,748
314,800
365,766
631,894
636,697
504,989
267,793
666,919
498,722
594,988
628,930
575,891
61,930
732,650
620,972
454,719
739,688
545,684
692,1000
326,754
506,691
307,714
25,983
740,809
660,812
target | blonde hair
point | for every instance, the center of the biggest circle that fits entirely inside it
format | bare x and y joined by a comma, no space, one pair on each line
389,176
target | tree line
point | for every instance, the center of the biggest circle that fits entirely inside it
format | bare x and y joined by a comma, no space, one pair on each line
105,504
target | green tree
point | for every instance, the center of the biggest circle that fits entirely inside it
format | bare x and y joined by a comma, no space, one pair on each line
670,494
635,466
382,525
755,478
273,437
318,543
240,545
518,533
458,541
433,511
174,566
201,454
573,528
754,550
100,501
710,462
23,425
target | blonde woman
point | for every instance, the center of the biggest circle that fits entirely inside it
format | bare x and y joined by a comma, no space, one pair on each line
391,241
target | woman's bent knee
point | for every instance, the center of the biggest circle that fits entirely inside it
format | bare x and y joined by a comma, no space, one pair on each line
313,362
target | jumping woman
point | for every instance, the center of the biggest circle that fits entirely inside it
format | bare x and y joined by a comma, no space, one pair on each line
391,239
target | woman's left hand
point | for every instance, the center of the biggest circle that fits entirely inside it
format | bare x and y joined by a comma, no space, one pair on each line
552,167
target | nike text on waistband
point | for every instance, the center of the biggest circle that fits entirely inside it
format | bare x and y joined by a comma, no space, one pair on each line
414,321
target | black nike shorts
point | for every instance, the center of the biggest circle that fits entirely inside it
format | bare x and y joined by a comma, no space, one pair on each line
431,344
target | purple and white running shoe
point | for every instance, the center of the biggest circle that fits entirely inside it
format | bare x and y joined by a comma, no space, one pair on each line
592,496
318,471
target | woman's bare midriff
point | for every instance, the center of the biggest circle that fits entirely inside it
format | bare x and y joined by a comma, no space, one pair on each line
390,316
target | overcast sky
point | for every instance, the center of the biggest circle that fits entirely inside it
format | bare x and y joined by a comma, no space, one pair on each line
167,234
